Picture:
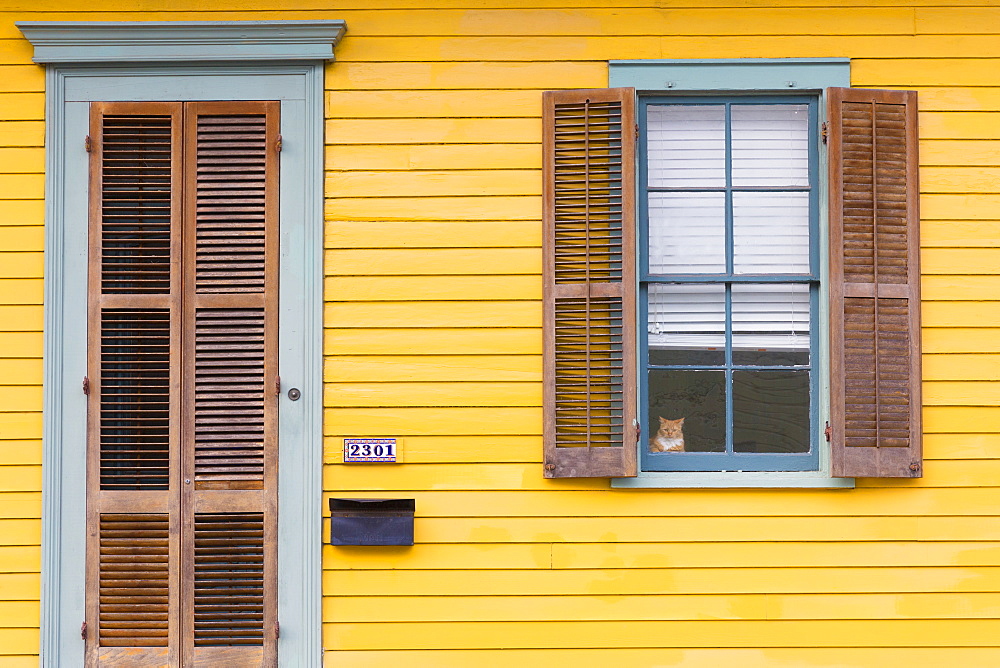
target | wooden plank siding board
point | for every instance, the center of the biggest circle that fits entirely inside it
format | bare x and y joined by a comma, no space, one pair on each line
432,333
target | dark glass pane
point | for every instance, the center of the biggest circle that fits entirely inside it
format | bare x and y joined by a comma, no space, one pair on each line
697,397
771,411
703,357
770,357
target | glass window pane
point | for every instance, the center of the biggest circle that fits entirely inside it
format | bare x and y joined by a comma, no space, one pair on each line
686,323
697,397
770,323
771,233
686,146
770,144
770,411
687,233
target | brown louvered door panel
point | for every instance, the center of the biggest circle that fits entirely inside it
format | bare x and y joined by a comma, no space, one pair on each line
133,334
183,368
874,283
230,369
589,283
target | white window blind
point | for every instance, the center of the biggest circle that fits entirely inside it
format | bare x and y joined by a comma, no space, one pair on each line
769,208
765,316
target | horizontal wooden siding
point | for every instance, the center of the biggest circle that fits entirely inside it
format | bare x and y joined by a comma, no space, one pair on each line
432,330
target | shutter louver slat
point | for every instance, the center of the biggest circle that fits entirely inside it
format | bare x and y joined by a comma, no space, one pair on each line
134,580
229,398
874,284
135,399
589,145
136,204
230,203
229,579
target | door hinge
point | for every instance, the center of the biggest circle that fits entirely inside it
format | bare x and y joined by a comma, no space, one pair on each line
827,432
277,384
277,144
83,630
86,385
824,131
87,144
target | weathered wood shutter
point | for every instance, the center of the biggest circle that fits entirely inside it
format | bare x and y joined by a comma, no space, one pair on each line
589,283
874,283
182,331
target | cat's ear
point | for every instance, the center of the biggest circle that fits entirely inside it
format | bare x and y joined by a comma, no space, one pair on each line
663,420
680,422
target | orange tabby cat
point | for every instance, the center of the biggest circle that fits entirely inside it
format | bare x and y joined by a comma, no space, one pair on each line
669,437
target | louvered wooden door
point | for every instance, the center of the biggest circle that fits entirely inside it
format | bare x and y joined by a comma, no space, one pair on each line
182,420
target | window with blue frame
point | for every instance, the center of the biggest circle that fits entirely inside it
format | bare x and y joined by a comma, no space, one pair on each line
729,282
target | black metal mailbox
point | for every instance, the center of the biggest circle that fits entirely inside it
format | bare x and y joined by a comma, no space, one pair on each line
371,521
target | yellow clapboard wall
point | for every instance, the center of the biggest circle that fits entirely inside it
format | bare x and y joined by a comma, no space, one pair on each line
432,335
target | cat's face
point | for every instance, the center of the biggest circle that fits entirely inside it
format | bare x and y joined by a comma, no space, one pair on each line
672,428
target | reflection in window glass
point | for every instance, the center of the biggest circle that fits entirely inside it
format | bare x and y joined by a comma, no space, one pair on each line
771,411
699,397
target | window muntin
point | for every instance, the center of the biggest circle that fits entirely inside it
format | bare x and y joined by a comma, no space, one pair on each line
729,280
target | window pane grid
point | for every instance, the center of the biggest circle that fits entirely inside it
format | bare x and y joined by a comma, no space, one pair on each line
790,210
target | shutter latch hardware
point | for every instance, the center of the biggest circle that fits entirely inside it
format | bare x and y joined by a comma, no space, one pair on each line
86,385
828,432
277,144
824,131
87,144
83,630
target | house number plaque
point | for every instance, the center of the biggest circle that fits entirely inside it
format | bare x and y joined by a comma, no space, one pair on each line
369,450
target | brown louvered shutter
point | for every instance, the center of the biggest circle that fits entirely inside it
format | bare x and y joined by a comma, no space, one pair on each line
230,363
133,337
589,283
874,283
182,453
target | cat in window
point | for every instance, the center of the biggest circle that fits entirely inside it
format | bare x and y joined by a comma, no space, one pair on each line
669,437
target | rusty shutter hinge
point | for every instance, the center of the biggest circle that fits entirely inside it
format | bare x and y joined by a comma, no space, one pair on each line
83,630
277,144
86,385
636,130
87,144
277,630
638,432
824,131
277,384
827,432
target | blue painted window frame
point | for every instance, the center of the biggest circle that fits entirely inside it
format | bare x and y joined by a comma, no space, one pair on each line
730,460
